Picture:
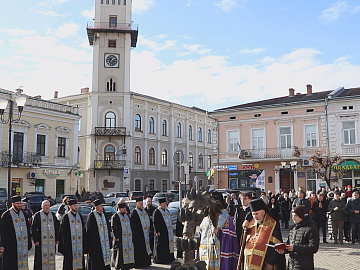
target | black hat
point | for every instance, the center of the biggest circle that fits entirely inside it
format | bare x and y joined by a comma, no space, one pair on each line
72,202
300,211
16,198
257,204
121,205
138,199
162,200
337,193
97,202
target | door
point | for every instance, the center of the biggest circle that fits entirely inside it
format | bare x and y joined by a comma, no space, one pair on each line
60,187
18,147
286,180
15,186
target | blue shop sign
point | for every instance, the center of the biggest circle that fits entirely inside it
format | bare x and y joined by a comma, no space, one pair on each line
234,173
232,167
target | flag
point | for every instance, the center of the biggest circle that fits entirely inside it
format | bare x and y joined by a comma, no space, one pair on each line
119,152
210,173
239,148
97,154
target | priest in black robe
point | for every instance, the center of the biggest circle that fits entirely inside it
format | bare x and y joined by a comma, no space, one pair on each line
45,231
164,236
140,226
10,241
67,242
123,248
149,208
98,239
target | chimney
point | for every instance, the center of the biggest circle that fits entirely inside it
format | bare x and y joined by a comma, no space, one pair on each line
309,89
291,92
56,93
84,90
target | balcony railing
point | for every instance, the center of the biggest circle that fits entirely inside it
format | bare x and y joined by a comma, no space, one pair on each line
105,131
350,150
108,25
20,158
109,164
270,153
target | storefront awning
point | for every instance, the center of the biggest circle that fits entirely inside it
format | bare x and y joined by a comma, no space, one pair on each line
346,166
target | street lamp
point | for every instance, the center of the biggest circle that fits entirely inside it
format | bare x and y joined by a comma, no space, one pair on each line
20,101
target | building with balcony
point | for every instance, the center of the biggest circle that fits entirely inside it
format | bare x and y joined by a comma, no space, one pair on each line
44,152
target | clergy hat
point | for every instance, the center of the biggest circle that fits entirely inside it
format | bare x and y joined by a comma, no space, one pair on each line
257,204
300,211
162,200
97,202
16,198
138,199
121,205
72,202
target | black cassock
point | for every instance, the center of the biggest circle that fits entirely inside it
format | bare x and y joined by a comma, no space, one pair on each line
150,213
9,241
118,261
161,248
36,235
65,245
142,259
95,257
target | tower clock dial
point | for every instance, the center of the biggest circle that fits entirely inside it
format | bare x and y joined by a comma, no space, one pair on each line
111,60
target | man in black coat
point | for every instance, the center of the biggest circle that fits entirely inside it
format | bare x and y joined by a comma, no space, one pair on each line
149,208
45,234
14,225
301,200
241,213
320,208
353,207
98,239
303,241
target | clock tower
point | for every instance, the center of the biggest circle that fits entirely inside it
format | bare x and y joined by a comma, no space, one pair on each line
112,36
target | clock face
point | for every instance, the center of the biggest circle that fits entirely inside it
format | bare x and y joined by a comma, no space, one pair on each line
111,60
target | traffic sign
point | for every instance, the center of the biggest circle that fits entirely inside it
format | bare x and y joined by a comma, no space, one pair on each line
196,178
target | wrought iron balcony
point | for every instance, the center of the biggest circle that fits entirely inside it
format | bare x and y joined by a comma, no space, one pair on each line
105,131
20,158
270,153
109,164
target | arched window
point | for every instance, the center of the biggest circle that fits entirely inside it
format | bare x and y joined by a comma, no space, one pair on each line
209,136
137,184
164,158
164,185
109,152
191,159
137,155
178,130
137,122
111,85
151,156
151,125
201,161
190,133
110,120
199,134
151,184
164,128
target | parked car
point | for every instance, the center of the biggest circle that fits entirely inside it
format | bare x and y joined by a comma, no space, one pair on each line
33,193
3,200
173,208
134,194
151,193
113,197
132,204
35,202
60,197
170,197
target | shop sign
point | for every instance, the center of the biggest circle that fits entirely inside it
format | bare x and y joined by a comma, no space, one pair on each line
248,167
220,168
346,166
51,172
232,167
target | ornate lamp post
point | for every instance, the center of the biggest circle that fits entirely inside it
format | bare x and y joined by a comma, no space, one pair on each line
20,101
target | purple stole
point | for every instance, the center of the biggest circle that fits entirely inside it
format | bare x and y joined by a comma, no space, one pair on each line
229,246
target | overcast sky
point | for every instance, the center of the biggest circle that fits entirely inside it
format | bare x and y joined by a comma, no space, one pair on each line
205,53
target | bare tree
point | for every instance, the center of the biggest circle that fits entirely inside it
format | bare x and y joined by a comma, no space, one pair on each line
323,162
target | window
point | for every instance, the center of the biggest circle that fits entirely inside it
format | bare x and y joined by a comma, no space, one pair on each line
107,2
40,145
233,140
151,156
201,161
151,125
137,155
151,184
110,120
137,122
61,146
113,2
111,85
209,136
178,130
124,2
349,132
285,137
164,185
191,159
113,21
109,153
18,147
257,138
199,134
112,43
209,162
137,185
310,136
190,133
164,127
164,158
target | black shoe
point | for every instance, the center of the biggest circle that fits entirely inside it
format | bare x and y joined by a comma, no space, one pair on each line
325,242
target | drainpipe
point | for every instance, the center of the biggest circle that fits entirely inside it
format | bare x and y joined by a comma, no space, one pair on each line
327,125
217,148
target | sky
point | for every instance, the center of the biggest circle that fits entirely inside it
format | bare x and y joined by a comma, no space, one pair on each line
205,53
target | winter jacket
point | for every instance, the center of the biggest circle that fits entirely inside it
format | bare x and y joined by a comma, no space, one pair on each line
338,214
320,212
304,202
351,207
304,236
